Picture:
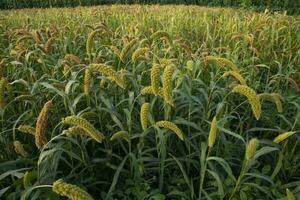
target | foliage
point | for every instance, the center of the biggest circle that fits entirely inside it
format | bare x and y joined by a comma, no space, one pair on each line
292,6
199,135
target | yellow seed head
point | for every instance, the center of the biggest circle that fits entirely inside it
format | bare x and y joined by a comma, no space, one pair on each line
212,133
116,50
144,114
272,97
236,75
75,130
66,70
110,73
161,34
72,58
36,37
87,81
252,97
48,32
89,42
87,115
170,125
126,49
277,98
281,137
26,129
138,53
165,62
41,124
19,149
48,45
149,90
120,134
102,84
189,65
221,62
155,78
73,192
85,125
290,195
167,84
251,148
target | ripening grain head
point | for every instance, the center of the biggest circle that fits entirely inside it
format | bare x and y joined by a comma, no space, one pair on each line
155,78
72,58
127,48
171,126
85,125
87,81
26,129
149,90
212,133
237,76
48,45
161,34
281,137
89,42
189,65
116,50
19,149
41,124
252,97
73,192
36,37
167,84
251,148
75,130
102,83
221,62
144,115
290,195
120,134
110,73
164,62
139,53
278,101
66,69
272,97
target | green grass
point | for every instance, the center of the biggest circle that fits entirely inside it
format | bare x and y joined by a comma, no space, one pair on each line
149,163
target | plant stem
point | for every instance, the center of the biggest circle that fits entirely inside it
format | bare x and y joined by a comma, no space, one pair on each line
242,173
202,174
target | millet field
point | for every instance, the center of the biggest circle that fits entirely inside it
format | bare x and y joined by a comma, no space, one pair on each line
149,102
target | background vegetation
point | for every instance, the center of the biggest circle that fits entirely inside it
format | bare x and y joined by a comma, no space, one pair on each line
292,6
201,55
